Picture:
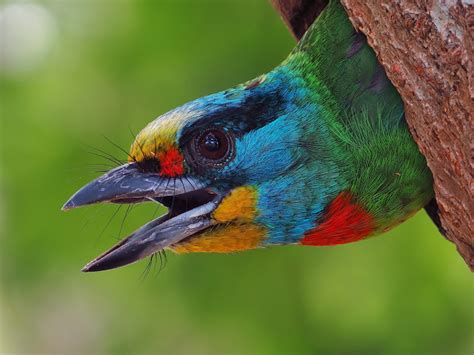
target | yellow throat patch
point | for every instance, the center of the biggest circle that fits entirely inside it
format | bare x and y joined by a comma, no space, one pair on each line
236,230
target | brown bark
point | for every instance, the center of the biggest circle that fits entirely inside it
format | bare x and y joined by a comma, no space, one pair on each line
425,47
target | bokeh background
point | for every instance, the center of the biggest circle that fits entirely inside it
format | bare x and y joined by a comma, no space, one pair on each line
72,72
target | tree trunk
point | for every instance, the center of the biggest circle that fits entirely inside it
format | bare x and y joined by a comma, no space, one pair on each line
425,47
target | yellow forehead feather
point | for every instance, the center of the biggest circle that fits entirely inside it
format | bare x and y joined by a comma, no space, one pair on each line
160,134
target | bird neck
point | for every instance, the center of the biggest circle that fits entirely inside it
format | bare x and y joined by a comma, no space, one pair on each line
337,61
363,172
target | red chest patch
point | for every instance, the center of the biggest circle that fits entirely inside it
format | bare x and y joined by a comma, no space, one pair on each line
171,163
343,222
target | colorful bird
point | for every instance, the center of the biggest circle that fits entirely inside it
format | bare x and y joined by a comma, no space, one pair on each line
315,152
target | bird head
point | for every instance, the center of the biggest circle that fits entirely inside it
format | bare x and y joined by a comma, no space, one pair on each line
233,168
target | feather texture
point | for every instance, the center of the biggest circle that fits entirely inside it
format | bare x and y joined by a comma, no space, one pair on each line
321,142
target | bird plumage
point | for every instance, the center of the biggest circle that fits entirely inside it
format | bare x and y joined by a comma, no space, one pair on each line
320,153
326,122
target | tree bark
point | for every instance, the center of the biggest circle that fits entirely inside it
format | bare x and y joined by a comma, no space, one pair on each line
425,47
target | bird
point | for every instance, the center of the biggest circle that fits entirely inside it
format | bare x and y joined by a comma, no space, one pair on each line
315,152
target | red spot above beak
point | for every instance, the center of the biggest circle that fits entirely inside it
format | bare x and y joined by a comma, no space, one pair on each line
171,163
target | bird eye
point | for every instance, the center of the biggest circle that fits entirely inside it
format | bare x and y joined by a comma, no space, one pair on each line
213,147
213,144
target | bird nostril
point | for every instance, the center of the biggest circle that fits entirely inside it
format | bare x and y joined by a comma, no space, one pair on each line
150,165
168,163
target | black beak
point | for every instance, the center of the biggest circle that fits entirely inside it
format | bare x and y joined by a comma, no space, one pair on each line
153,237
127,183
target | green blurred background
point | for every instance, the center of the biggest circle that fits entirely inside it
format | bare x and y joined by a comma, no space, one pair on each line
74,71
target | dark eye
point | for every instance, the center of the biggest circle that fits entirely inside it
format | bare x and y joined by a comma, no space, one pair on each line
213,147
213,144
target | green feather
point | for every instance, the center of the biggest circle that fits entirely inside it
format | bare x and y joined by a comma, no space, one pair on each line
376,153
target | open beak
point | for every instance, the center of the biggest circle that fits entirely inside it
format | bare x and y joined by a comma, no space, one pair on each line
190,206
